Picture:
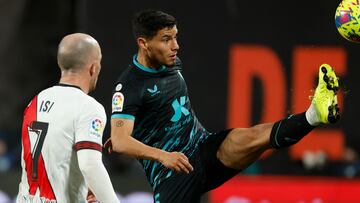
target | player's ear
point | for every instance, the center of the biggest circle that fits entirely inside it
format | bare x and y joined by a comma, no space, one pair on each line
142,43
92,69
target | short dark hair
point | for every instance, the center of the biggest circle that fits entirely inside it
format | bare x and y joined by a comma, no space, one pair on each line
148,22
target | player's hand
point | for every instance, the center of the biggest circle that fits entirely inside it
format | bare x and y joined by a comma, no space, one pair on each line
91,197
176,161
108,146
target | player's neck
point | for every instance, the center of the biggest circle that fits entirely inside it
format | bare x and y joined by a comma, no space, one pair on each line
76,80
146,61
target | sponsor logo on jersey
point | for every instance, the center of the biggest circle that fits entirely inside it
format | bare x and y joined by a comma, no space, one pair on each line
97,127
117,102
179,109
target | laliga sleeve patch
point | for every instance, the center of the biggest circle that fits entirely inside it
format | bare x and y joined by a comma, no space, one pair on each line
117,102
96,128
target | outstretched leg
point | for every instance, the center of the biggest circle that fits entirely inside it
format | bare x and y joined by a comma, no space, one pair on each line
243,146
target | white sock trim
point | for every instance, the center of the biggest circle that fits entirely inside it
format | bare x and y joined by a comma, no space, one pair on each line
311,116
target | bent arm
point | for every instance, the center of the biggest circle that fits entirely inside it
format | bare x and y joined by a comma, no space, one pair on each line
96,176
123,142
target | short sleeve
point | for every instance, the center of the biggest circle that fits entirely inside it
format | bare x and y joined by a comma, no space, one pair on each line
90,126
126,100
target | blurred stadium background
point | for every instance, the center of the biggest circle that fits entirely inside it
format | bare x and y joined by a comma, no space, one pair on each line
245,62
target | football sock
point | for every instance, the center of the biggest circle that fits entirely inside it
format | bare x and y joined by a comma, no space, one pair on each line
311,116
290,130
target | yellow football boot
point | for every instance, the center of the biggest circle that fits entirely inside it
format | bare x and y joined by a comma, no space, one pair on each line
325,99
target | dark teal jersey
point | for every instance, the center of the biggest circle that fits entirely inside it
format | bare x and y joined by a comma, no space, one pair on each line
158,102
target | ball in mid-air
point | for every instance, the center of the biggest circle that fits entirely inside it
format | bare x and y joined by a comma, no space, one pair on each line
347,20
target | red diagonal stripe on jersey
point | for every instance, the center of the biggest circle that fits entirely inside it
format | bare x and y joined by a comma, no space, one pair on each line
88,145
42,182
29,117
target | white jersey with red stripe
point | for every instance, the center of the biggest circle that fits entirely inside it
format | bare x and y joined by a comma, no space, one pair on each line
57,123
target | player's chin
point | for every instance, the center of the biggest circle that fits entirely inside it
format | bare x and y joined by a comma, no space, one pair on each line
170,62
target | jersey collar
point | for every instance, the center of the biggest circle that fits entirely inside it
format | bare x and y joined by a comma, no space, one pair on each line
67,85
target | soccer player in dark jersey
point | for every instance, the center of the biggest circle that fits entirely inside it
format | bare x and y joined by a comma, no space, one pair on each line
152,120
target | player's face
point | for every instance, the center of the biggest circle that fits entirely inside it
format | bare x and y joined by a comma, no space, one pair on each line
163,47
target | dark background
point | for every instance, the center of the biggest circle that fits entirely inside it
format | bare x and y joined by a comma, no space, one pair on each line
30,31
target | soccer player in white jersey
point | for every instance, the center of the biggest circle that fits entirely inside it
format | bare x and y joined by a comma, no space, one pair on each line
62,132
